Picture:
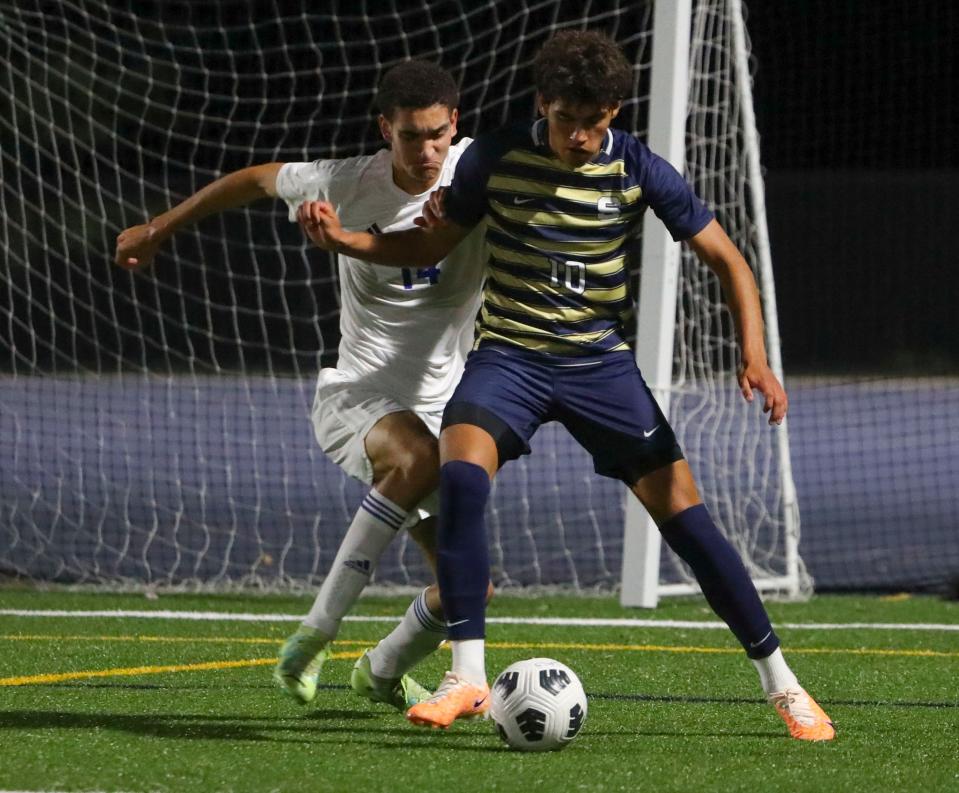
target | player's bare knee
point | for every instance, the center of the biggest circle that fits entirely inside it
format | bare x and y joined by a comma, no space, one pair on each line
411,470
419,463
667,491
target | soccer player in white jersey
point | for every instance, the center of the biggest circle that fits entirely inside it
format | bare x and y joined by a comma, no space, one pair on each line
405,334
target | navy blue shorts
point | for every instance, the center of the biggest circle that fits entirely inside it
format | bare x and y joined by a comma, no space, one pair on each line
602,400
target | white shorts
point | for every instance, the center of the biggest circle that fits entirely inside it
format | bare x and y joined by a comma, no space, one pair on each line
344,411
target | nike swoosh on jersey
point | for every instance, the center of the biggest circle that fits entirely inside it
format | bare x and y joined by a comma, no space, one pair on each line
649,434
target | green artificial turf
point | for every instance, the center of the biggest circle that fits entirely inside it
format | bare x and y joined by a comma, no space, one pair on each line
670,709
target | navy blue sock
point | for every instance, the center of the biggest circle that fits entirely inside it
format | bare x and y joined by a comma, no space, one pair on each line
462,556
722,577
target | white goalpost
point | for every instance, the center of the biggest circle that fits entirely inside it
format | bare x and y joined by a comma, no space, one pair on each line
656,319
155,427
669,109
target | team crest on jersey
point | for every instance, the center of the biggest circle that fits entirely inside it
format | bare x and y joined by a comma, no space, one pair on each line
608,205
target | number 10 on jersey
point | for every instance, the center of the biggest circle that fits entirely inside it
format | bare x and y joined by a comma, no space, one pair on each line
574,275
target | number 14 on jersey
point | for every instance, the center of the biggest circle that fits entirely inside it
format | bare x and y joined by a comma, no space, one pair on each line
428,275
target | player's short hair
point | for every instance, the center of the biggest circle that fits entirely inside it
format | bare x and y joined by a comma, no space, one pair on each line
415,84
582,66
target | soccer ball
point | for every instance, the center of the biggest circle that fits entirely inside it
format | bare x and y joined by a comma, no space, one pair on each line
538,705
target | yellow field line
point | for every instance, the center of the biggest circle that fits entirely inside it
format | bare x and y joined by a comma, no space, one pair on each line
868,651
350,655
657,648
129,671
644,648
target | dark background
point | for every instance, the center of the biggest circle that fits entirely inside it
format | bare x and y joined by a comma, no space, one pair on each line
857,107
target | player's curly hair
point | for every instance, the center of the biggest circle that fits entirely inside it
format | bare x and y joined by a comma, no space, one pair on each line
416,84
582,66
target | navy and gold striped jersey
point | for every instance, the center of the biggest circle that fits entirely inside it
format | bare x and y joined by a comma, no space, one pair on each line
557,235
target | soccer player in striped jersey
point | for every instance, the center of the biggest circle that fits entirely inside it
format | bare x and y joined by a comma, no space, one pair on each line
405,334
560,200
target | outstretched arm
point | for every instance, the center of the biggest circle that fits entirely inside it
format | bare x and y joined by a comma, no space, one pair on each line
717,251
434,237
137,245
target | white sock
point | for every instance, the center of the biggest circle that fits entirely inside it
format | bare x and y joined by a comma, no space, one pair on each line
419,633
373,528
469,660
774,673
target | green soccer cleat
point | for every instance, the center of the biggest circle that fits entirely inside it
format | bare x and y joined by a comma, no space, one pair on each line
301,659
402,693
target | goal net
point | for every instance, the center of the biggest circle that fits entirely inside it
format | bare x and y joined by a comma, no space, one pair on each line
155,426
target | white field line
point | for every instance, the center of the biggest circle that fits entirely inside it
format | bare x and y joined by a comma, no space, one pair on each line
579,622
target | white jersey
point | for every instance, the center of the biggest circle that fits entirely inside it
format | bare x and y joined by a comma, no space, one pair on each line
405,331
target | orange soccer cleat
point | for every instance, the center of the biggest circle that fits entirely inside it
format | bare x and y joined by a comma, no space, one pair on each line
805,719
456,698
